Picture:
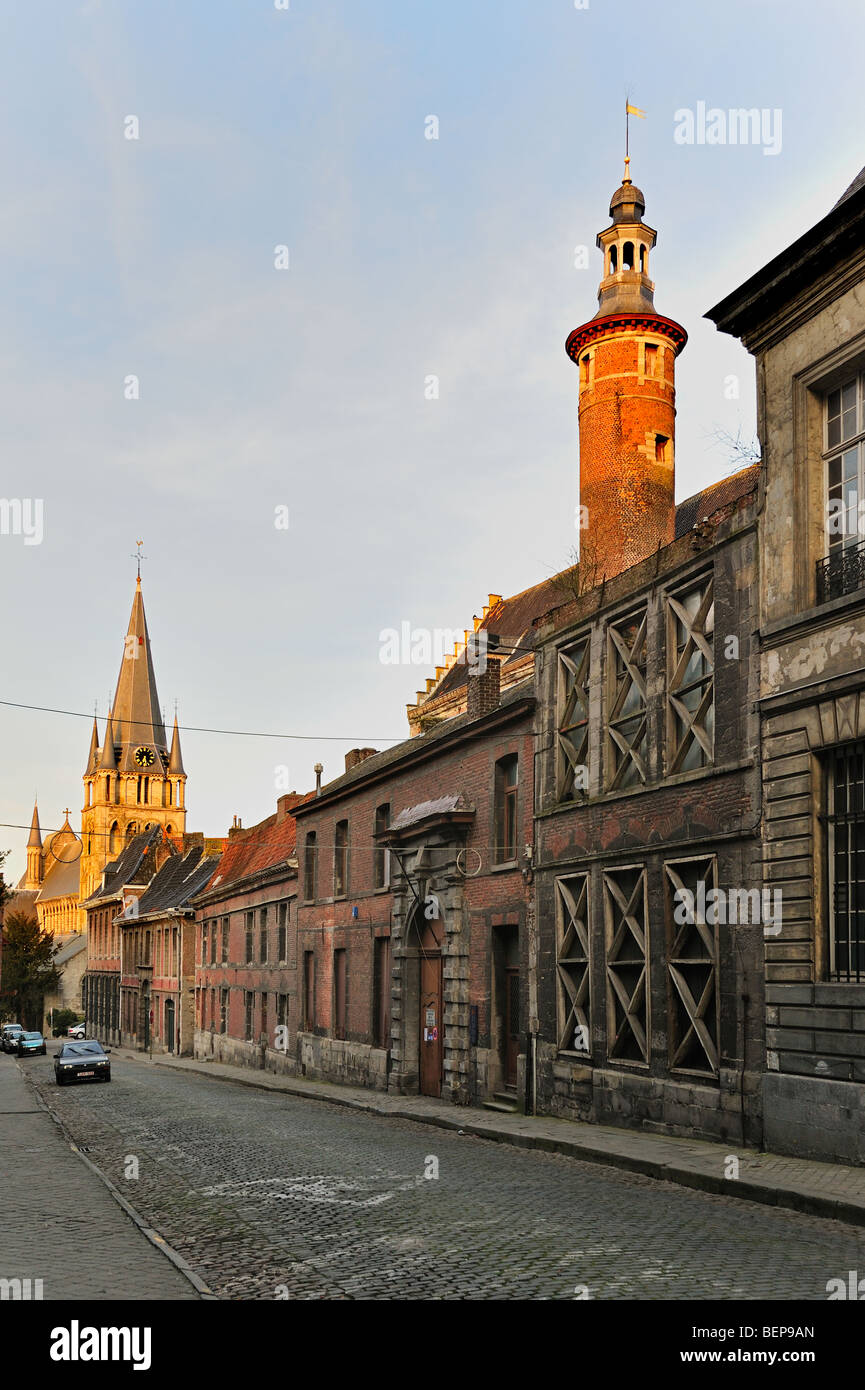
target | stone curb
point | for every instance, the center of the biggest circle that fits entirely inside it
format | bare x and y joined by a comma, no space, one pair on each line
803,1199
153,1236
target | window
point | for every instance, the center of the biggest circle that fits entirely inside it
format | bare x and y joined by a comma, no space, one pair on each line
282,1010
690,686
573,722
225,939
339,994
282,933
308,990
847,864
661,443
309,868
340,859
264,1019
628,256
113,838
627,939
652,363
505,795
626,719
204,944
843,572
213,941
262,935
381,866
250,933
223,1011
249,1004
572,964
692,966
381,991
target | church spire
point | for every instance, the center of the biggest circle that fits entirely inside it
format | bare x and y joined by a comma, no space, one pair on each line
175,761
107,759
135,711
94,749
35,841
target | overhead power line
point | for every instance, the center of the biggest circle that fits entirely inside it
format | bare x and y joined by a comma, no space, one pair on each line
233,733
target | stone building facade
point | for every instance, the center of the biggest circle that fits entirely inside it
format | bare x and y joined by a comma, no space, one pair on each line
803,318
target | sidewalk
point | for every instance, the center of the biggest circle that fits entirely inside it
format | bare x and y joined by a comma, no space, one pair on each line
820,1189
62,1223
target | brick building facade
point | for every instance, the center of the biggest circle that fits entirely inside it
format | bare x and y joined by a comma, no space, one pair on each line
245,972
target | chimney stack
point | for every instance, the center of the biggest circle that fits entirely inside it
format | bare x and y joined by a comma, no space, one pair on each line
484,687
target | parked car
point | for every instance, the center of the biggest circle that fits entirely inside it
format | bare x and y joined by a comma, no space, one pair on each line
76,1030
9,1038
29,1043
81,1061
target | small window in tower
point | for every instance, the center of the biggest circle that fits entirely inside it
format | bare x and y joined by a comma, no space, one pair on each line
651,360
614,257
585,369
661,442
628,256
643,259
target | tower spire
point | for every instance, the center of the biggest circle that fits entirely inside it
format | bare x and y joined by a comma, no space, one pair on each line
135,712
626,357
175,761
35,841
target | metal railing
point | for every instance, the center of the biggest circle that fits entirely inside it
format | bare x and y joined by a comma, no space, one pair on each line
841,572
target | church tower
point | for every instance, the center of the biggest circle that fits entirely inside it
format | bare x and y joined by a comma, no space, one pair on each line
132,780
626,357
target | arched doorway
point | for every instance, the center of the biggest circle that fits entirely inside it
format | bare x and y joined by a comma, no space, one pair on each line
431,1002
168,1036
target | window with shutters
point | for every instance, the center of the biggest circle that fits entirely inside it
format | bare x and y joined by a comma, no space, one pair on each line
690,682
626,702
572,740
572,964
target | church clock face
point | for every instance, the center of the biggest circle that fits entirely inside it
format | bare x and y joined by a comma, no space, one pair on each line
144,757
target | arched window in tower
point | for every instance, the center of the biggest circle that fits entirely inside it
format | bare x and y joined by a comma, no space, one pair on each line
628,256
131,830
113,837
108,787
169,830
614,259
168,790
661,444
642,258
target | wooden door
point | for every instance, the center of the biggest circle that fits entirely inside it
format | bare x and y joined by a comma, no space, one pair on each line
512,1024
431,1024
169,1024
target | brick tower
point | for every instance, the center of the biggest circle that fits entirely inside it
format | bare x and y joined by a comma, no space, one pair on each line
626,357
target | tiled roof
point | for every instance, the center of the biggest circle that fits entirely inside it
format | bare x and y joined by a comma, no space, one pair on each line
123,869
858,182
70,948
712,498
262,846
441,806
179,879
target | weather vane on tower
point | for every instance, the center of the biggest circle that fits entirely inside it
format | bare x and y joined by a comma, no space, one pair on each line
139,557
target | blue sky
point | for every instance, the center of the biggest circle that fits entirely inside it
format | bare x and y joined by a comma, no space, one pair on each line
304,388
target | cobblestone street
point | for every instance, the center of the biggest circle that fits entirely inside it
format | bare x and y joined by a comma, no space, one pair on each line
269,1196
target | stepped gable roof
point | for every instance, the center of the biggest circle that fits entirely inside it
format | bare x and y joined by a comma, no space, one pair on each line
512,619
250,851
179,879
122,870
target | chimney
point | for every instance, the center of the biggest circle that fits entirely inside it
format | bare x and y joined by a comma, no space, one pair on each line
318,769
484,687
235,826
358,755
285,804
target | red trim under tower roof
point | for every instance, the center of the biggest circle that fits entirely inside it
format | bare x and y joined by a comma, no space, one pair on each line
624,323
